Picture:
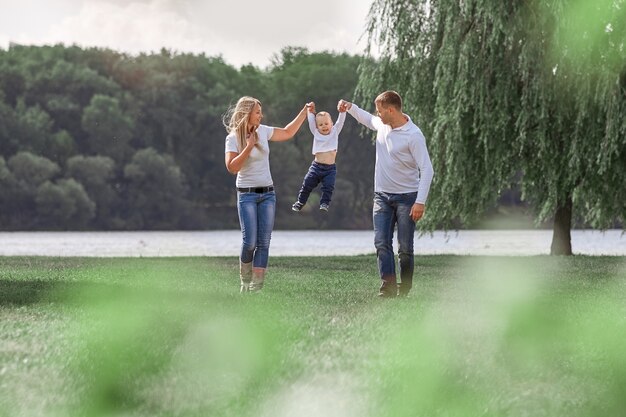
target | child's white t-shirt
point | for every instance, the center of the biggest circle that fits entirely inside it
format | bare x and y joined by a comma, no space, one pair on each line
326,143
256,170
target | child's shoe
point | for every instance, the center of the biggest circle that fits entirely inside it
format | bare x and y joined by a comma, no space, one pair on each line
324,207
297,206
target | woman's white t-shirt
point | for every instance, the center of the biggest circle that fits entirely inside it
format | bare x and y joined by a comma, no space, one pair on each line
256,170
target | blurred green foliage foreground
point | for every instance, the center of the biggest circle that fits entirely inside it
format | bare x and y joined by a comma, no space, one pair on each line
533,336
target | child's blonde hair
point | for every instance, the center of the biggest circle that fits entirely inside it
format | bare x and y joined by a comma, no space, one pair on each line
236,119
323,114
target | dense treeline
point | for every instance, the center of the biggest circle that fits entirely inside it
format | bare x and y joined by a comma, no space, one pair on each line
96,139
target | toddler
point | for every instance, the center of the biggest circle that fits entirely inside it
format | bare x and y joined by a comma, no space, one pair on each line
323,168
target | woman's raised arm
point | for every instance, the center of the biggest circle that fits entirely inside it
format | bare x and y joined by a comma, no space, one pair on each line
285,133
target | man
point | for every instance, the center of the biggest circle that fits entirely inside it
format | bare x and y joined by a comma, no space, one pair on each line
402,178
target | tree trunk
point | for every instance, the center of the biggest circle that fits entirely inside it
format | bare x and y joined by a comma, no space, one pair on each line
561,232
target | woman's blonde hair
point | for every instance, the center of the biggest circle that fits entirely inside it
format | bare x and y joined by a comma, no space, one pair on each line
236,119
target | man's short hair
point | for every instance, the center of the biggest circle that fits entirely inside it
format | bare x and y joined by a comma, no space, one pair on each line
389,98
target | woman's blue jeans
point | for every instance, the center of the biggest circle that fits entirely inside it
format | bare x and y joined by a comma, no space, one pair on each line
391,210
256,217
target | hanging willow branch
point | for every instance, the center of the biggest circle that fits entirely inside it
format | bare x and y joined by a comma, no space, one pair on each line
509,92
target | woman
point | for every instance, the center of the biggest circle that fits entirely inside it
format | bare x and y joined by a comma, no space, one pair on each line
247,155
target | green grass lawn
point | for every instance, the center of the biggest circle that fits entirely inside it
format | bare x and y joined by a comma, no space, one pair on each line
479,336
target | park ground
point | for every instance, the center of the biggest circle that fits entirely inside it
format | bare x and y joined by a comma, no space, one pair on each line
478,336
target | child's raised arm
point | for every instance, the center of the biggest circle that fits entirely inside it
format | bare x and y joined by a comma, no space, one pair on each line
340,121
311,117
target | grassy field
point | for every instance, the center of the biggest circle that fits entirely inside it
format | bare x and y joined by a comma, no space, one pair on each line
524,336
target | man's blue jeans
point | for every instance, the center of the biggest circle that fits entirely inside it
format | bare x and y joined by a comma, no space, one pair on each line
324,173
256,217
391,210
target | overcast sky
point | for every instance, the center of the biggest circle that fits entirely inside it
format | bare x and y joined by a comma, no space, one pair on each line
241,31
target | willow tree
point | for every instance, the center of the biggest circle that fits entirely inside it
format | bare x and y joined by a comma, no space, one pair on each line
523,92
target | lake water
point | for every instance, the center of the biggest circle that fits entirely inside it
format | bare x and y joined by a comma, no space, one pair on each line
299,243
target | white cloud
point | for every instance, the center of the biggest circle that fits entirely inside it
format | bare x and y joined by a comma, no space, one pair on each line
242,32
132,27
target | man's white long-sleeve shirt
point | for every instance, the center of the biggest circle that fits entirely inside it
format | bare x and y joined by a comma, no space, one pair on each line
402,161
326,143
